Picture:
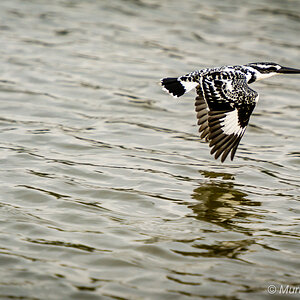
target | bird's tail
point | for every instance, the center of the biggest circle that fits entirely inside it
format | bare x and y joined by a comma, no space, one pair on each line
178,86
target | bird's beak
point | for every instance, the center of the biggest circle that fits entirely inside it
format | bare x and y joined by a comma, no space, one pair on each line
286,70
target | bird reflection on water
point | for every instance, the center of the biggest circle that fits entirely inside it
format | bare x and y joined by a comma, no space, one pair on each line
220,200
221,203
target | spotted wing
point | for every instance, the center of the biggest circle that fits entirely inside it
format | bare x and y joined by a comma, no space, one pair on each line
230,103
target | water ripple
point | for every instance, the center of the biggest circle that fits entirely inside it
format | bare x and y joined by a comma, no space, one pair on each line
107,190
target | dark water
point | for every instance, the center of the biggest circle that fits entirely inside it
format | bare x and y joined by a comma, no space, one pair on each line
106,190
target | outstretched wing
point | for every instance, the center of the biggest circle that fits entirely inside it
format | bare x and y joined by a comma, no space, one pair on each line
224,105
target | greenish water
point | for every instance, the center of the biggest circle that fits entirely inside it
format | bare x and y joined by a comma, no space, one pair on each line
106,190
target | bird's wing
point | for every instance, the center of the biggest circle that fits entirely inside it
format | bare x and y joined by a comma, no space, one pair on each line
224,105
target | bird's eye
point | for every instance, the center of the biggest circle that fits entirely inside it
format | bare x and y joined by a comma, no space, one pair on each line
273,69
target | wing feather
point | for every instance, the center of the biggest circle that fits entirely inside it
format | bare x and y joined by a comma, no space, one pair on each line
202,115
225,133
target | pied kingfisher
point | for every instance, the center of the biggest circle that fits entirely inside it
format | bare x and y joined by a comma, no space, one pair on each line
224,100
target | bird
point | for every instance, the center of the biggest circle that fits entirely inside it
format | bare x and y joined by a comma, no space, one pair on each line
224,101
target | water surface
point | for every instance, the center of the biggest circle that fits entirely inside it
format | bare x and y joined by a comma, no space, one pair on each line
106,190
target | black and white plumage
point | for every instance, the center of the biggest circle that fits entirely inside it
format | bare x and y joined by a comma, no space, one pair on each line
224,101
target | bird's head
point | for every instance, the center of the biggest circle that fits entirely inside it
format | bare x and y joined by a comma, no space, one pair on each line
264,70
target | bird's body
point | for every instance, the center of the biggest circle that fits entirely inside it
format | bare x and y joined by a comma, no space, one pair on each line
224,101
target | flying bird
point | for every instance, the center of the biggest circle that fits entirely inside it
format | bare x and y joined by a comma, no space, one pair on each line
224,101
